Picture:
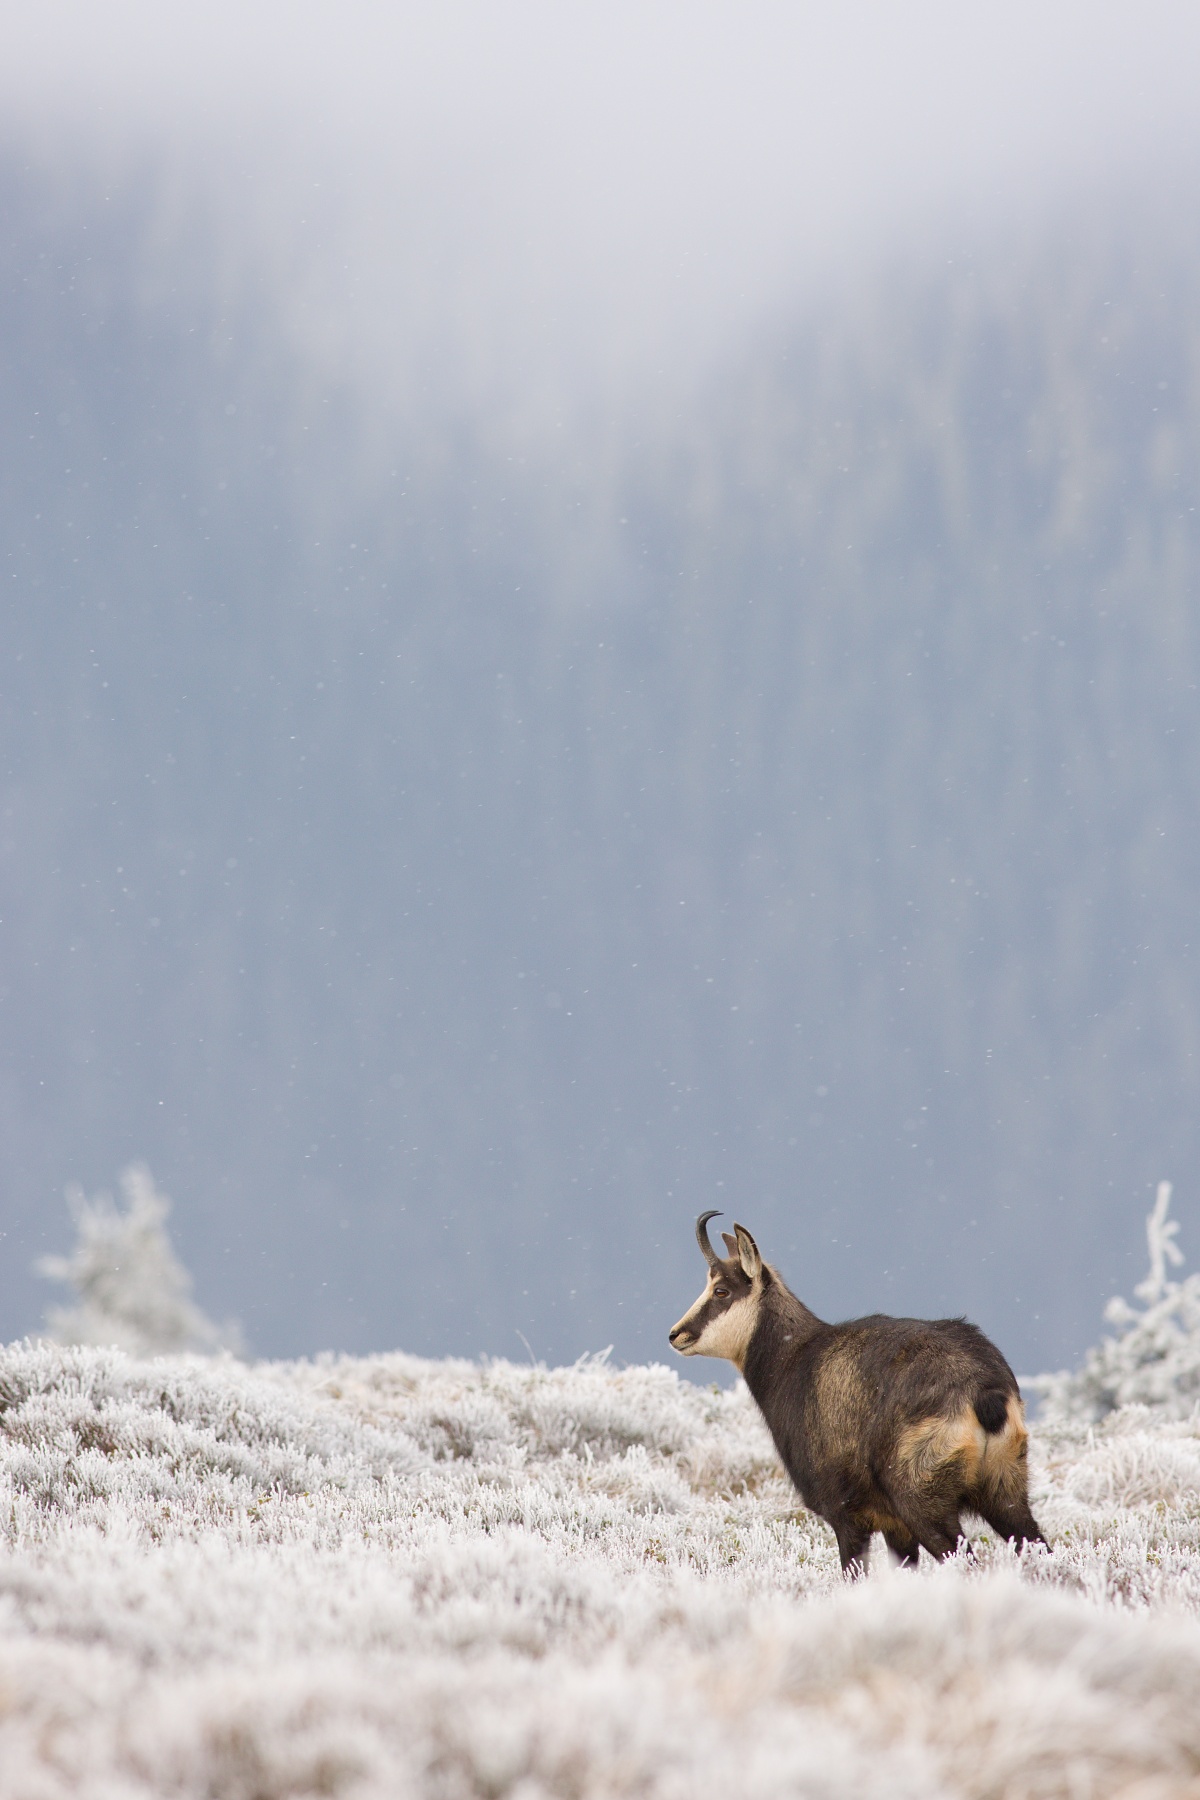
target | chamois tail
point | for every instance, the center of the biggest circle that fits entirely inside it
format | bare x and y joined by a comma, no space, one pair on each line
991,1409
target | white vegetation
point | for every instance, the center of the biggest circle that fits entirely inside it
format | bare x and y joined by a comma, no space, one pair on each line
1155,1358
389,1577
131,1289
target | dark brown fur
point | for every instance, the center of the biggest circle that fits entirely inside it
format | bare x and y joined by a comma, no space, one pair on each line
890,1425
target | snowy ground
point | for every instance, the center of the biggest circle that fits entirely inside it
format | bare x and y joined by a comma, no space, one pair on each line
390,1577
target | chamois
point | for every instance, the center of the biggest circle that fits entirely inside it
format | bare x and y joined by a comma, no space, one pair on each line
890,1425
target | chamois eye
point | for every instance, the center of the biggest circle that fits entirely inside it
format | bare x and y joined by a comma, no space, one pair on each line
721,1293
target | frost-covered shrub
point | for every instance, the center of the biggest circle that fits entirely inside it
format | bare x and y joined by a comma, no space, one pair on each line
131,1289
362,1577
367,1577
1154,1360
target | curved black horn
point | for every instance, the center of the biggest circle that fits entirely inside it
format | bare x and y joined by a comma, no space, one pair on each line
706,1249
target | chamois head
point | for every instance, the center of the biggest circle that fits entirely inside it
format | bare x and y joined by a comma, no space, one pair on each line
722,1321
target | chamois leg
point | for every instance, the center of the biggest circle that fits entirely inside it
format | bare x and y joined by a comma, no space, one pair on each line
852,1540
925,1512
904,1547
942,1540
1002,1498
937,1529
1012,1519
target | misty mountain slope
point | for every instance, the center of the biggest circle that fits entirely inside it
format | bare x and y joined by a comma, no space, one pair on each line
943,554
382,1575
451,865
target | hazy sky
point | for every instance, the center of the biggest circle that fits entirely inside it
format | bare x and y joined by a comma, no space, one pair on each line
537,206
610,184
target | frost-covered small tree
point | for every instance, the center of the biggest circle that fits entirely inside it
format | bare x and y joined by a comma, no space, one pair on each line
1154,1360
131,1289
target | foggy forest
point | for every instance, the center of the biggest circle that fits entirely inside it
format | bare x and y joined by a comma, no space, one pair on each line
784,803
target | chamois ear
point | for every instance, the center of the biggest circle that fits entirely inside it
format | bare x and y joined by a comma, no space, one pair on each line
730,1242
747,1250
